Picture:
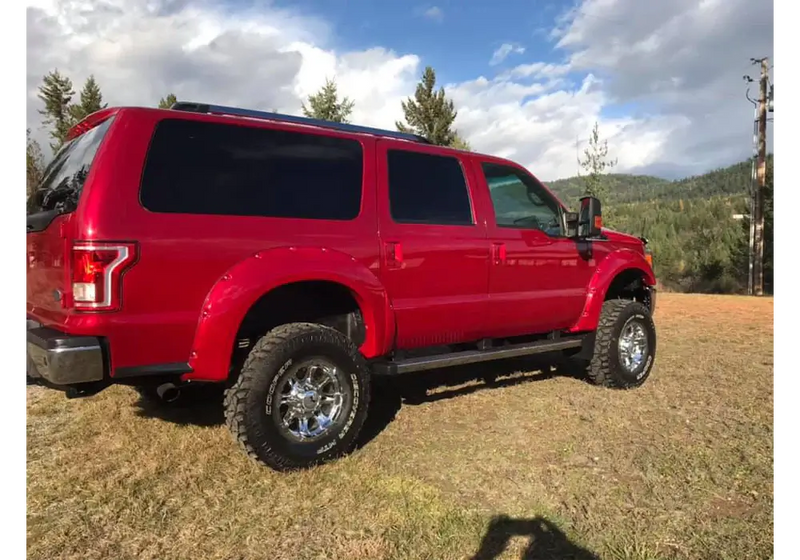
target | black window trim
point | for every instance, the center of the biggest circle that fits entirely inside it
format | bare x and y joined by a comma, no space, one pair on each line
260,126
546,194
418,150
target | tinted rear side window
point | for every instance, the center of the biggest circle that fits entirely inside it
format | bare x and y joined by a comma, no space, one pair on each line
210,168
427,189
65,176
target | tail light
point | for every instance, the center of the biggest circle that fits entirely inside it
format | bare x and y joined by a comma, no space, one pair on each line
97,273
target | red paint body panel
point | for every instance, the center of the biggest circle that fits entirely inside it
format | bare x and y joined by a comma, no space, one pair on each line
242,285
417,285
611,266
540,283
439,290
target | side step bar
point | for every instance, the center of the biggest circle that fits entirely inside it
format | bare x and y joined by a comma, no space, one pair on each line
397,367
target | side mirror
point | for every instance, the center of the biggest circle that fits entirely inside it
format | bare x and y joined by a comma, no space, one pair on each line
590,221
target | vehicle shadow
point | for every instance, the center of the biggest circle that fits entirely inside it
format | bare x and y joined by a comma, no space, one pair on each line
389,394
201,405
545,540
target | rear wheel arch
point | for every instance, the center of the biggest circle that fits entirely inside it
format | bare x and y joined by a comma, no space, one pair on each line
324,302
282,286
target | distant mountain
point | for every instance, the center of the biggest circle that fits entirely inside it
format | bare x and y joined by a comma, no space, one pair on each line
729,181
697,243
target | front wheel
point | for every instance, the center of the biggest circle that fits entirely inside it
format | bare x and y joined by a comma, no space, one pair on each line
625,345
301,397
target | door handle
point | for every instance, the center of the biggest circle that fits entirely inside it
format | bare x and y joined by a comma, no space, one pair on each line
393,254
498,253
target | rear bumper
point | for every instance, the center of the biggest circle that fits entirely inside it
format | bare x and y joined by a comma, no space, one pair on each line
61,359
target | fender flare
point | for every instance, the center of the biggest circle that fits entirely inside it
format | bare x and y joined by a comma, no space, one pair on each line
616,263
235,292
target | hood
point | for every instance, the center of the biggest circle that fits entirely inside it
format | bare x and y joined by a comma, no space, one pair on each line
625,238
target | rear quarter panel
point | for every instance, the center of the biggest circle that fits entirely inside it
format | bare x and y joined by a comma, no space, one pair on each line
181,257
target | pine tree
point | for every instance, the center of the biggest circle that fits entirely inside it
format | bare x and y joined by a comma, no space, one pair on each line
325,104
430,114
35,164
460,143
56,93
168,101
595,163
91,101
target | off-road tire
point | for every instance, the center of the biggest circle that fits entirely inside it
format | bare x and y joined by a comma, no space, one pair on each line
246,400
604,368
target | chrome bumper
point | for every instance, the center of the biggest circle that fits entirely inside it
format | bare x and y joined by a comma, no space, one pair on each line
62,359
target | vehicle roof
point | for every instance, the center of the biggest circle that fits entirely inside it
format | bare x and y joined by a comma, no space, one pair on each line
233,114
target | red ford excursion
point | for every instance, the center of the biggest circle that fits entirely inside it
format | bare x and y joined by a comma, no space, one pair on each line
289,260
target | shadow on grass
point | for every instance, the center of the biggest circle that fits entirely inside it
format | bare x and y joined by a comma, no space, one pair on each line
201,405
545,540
389,394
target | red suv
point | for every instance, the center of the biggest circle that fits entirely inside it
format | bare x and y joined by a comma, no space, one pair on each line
288,260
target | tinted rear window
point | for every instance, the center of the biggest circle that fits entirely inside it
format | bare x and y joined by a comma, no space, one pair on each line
427,189
65,176
210,168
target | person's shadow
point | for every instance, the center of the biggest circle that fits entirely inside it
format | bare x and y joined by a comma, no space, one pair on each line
545,540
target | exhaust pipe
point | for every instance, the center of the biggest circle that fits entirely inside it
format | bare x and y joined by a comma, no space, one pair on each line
168,392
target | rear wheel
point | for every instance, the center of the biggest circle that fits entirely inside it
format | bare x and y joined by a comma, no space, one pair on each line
625,345
301,397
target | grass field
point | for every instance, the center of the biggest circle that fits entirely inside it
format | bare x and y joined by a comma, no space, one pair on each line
534,466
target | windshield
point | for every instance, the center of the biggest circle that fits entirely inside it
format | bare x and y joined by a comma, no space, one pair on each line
63,179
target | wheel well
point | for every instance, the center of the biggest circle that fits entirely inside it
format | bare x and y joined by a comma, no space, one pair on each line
630,284
313,301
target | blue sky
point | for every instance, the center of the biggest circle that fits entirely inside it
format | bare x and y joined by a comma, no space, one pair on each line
455,37
662,78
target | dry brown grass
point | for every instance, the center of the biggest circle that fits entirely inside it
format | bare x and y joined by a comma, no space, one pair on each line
542,466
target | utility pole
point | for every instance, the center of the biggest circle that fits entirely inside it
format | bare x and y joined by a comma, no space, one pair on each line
752,193
761,175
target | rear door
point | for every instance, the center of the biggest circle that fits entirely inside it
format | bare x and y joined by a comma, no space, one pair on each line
434,252
49,211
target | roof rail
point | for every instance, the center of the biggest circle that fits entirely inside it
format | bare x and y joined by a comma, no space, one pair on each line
345,127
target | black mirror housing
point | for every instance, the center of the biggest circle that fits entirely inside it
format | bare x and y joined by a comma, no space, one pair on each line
590,220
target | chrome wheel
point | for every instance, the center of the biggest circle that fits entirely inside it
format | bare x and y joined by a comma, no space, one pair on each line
309,400
632,346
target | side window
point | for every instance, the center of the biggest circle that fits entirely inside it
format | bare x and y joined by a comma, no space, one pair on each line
427,189
520,201
198,167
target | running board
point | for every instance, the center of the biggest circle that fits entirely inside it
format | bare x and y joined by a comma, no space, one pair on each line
410,365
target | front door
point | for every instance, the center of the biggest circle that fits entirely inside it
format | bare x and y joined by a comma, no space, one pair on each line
538,277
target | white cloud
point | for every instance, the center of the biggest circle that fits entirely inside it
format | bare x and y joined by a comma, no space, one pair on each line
675,66
140,50
433,13
684,59
543,125
503,51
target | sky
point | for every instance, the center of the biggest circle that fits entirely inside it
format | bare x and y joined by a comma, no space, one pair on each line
663,78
